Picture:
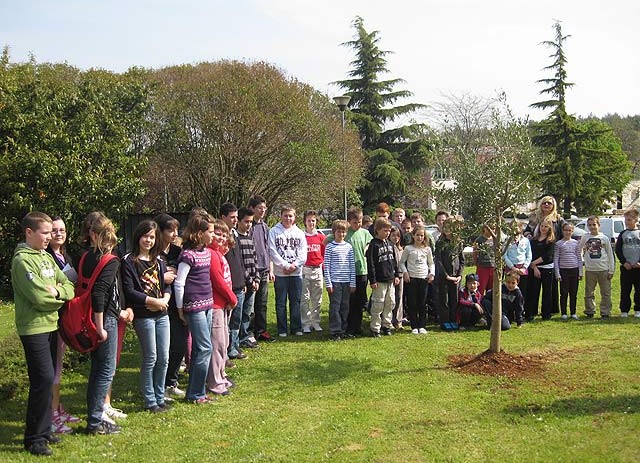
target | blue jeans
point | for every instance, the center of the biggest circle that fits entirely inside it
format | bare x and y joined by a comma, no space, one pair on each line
103,367
291,288
339,308
153,334
247,311
234,325
200,328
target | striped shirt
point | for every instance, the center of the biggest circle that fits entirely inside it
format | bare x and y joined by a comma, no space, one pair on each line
339,264
248,253
568,254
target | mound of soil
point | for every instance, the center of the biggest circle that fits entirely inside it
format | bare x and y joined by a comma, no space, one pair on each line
500,364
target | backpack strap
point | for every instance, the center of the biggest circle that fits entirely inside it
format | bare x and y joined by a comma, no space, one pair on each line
82,281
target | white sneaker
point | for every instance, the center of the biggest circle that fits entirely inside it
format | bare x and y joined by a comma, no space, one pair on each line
624,315
282,335
574,316
306,330
299,333
114,413
415,331
317,326
174,392
106,418
637,314
422,331
482,322
564,316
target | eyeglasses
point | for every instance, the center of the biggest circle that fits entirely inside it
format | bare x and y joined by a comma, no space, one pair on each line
61,231
547,203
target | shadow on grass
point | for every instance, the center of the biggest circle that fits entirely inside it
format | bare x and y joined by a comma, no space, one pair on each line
314,372
579,406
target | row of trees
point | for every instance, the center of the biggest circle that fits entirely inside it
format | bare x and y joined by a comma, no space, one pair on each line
73,141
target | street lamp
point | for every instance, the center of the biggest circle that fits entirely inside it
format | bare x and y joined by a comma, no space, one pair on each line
342,102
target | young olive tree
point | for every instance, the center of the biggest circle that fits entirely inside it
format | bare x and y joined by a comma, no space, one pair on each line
491,176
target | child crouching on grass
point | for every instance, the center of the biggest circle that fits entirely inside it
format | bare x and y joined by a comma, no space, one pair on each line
470,311
512,302
340,278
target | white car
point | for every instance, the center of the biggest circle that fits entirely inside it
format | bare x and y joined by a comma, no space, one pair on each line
610,226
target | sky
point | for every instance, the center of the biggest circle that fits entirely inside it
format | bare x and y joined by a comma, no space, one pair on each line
440,47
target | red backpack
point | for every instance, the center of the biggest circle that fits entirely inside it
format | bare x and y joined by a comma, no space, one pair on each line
75,323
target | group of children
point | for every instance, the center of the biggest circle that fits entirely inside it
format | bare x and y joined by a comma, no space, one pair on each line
202,300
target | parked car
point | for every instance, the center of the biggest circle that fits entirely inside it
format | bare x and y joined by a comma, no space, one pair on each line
610,226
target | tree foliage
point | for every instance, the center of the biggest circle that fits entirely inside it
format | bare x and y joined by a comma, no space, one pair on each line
228,130
373,111
494,168
574,172
71,141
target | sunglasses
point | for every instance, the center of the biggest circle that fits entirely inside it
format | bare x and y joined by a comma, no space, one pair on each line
547,203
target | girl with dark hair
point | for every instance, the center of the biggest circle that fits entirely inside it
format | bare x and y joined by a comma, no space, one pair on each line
57,249
146,292
178,333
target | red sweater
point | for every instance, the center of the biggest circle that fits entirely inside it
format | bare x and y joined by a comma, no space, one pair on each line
315,249
223,296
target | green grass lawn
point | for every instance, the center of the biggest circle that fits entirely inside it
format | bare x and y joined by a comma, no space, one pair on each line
393,399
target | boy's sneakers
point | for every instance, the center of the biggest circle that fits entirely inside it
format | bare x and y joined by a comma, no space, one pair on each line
114,413
422,331
336,337
106,419
306,330
624,315
299,333
574,316
482,322
386,331
637,314
174,392
317,326
40,447
104,428
415,331
564,316
265,336
375,334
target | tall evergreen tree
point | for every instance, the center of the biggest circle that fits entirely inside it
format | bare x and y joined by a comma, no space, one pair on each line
393,153
575,172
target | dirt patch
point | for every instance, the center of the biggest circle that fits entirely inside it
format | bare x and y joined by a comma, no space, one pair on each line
501,364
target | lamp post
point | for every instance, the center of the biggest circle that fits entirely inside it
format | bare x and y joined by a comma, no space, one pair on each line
342,102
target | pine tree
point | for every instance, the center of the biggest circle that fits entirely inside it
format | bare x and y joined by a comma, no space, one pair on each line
575,172
393,153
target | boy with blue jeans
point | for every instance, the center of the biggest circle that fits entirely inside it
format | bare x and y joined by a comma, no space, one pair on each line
384,276
39,289
288,251
339,277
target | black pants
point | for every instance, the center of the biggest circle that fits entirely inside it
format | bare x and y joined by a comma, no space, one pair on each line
40,352
177,348
416,291
568,289
446,299
357,305
629,279
534,285
258,323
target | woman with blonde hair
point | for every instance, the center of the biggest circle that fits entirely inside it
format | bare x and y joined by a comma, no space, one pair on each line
541,274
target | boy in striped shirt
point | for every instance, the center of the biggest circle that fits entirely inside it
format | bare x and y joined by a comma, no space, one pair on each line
339,277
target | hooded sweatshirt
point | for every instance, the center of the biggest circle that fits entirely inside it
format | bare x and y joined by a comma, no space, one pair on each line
287,246
36,308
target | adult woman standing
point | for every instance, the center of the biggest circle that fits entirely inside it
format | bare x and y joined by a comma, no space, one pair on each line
547,209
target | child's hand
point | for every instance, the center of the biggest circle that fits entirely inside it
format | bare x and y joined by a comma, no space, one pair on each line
330,290
609,276
374,285
406,277
430,278
536,272
396,281
52,290
627,266
102,334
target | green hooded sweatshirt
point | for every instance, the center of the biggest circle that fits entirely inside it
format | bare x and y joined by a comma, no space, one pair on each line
36,308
